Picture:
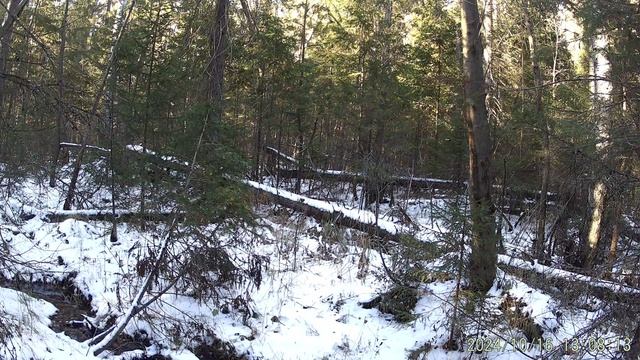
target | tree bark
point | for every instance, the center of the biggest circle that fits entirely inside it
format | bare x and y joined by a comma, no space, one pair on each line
615,237
330,212
518,195
147,109
482,270
538,247
595,229
600,189
60,117
215,69
71,191
121,215
6,37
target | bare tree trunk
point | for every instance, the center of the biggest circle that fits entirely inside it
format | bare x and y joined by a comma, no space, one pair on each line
60,118
110,114
71,192
154,37
615,237
300,111
215,69
247,14
538,248
6,37
257,141
600,189
483,243
374,186
595,229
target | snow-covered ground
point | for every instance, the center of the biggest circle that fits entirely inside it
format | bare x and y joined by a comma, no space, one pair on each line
307,305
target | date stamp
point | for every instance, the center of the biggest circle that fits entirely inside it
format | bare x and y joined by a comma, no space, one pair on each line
593,345
486,344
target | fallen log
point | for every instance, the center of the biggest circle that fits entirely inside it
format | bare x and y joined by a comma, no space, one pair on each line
366,221
166,162
278,154
361,220
345,176
52,216
307,172
88,147
603,289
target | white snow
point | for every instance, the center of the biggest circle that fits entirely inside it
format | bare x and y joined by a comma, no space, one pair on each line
307,306
364,216
142,150
87,146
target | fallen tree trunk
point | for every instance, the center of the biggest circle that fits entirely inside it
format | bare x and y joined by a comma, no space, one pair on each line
307,172
88,147
345,176
99,215
603,289
366,221
166,162
361,220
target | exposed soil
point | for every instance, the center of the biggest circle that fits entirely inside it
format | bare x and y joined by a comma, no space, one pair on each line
217,350
73,306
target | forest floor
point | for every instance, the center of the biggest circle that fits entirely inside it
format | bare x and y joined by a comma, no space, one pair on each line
308,304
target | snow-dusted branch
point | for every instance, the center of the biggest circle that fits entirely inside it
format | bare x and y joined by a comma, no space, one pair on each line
88,147
138,304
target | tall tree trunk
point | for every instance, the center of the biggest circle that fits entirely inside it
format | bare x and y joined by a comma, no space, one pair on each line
215,70
60,117
247,14
257,141
538,247
111,96
482,269
599,93
300,111
374,186
615,237
554,73
73,183
595,229
6,37
147,110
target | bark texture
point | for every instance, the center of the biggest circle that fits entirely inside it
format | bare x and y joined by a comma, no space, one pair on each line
538,248
215,69
482,269
595,230
6,37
